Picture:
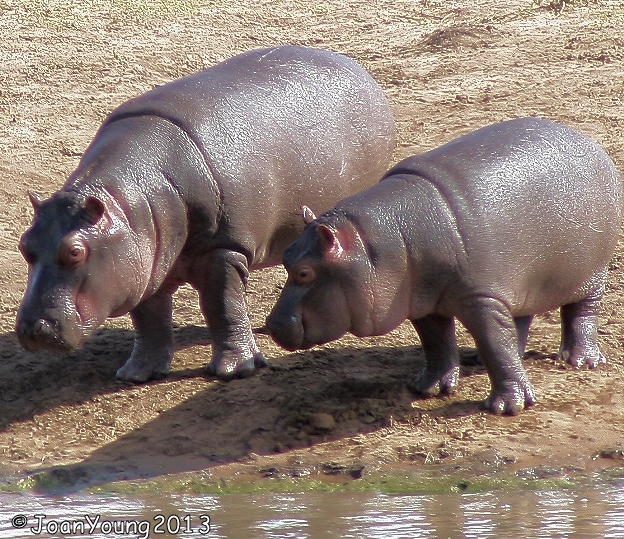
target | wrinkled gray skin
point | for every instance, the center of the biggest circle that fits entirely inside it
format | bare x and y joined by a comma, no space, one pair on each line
509,221
199,181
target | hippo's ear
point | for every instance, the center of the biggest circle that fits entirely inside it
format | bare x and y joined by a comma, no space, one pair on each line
34,200
335,243
328,238
308,215
93,209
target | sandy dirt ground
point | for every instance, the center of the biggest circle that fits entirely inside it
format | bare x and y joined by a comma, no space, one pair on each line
340,412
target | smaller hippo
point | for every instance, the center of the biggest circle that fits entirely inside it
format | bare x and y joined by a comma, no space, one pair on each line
509,221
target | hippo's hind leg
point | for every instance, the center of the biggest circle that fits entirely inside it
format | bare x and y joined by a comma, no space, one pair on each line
153,345
497,336
222,296
579,332
441,373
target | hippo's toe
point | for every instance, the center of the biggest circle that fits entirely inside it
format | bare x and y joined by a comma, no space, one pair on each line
511,398
591,358
430,383
229,367
129,373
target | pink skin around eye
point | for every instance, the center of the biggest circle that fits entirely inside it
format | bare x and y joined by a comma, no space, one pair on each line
73,252
305,276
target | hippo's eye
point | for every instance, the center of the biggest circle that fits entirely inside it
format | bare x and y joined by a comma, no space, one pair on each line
304,275
73,254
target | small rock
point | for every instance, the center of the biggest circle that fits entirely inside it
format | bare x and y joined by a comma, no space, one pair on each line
333,468
614,454
269,472
356,472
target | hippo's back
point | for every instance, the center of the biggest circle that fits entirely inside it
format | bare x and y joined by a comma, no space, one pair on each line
506,169
246,111
278,128
537,205
274,83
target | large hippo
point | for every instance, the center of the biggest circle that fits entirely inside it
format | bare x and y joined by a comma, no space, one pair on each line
199,181
509,221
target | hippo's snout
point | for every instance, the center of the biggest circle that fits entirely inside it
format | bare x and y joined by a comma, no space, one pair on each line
38,334
286,330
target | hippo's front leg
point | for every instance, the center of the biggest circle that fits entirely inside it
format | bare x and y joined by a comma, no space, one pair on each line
441,373
153,345
494,330
222,297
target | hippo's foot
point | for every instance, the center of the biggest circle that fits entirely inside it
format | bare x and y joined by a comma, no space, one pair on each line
511,397
441,373
591,358
141,369
579,333
153,344
230,366
430,383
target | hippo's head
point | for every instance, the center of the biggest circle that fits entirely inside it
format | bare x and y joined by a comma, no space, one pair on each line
327,293
80,259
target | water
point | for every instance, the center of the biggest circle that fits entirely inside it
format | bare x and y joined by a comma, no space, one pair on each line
589,512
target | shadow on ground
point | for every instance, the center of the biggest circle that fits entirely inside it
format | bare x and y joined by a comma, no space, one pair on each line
300,401
26,378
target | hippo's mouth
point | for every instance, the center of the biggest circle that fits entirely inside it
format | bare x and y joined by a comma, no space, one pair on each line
291,344
43,334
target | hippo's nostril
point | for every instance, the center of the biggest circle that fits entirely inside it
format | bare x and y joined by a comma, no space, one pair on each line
286,330
279,324
43,327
